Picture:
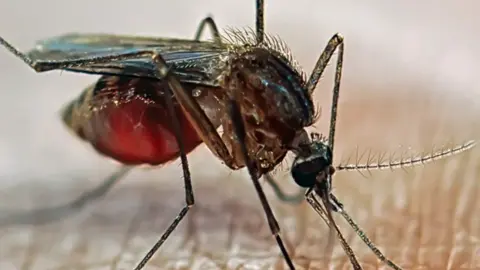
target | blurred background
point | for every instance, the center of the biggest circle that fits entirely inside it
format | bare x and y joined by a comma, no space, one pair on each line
410,85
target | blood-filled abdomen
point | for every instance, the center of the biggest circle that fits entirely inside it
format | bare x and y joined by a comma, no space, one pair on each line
128,120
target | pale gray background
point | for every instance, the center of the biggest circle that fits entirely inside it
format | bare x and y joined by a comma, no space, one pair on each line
410,79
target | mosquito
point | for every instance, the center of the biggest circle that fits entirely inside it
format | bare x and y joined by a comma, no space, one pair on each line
159,98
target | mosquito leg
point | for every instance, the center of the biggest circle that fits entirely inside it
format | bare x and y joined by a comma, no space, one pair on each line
323,212
260,21
363,236
51,214
335,42
189,198
199,120
208,21
293,199
101,190
239,130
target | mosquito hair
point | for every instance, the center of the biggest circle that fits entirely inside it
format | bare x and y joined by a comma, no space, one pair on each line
246,37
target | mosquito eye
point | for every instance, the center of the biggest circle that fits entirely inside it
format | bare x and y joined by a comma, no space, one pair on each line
306,168
303,174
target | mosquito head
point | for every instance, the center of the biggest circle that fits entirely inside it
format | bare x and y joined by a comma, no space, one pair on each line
313,164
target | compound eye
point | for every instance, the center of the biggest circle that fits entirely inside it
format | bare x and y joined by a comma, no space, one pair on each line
303,176
306,171
311,164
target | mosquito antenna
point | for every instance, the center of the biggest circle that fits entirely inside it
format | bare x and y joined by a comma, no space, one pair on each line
364,237
393,164
260,22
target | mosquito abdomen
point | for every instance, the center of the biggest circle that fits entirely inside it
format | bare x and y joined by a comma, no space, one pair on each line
127,119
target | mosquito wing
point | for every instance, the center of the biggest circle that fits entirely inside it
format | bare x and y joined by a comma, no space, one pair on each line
191,61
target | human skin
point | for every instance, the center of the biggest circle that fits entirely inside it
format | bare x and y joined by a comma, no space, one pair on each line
405,84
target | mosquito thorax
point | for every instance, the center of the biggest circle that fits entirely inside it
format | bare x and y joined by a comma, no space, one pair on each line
312,164
275,83
274,105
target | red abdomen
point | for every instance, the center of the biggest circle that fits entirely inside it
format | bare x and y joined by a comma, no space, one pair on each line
127,119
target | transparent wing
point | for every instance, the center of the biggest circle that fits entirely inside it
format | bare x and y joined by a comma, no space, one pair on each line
192,61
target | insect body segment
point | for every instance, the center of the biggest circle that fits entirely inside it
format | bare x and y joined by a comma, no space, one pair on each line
273,103
127,119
